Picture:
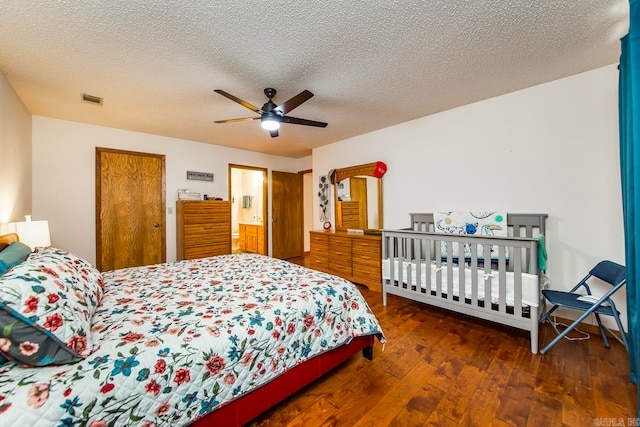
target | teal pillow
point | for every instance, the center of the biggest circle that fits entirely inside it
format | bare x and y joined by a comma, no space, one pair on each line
13,255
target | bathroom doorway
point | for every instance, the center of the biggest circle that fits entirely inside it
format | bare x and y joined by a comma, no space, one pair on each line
248,196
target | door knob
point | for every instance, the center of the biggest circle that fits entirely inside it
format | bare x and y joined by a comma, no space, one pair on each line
275,220
156,225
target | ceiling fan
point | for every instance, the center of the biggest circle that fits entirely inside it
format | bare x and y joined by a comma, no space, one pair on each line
271,115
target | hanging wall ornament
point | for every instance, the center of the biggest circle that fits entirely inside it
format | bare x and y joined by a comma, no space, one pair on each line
323,195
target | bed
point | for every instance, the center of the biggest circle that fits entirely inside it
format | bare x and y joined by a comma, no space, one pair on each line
213,341
495,278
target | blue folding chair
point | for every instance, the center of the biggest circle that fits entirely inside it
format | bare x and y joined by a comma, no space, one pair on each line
607,271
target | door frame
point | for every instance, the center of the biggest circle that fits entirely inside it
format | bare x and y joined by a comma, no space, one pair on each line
265,194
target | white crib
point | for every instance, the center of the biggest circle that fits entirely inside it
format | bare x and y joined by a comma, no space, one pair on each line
414,267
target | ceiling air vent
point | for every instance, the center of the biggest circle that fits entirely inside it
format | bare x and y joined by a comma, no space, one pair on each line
92,99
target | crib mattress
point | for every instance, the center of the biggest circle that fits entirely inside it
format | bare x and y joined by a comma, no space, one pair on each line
530,282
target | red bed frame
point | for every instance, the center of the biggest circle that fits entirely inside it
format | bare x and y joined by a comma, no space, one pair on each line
249,406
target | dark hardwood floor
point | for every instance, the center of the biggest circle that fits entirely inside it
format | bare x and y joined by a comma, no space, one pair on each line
444,369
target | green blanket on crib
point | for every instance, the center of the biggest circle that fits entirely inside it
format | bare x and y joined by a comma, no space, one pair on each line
542,253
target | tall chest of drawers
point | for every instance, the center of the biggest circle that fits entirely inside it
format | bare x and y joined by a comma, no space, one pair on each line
203,228
353,256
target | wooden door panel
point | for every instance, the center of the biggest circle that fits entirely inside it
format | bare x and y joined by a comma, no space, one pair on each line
287,222
130,205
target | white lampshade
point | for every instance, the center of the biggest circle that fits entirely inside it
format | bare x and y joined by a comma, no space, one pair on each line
33,233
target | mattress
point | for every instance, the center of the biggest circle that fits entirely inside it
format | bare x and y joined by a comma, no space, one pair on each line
530,282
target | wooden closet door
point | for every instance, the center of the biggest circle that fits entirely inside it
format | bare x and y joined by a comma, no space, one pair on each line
130,206
287,224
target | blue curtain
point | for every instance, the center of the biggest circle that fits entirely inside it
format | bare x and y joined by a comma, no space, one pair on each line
629,115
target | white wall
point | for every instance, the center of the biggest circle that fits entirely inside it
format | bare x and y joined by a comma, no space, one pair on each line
551,148
15,150
304,163
64,175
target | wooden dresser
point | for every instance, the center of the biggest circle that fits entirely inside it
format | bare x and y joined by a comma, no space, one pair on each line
353,256
252,238
203,228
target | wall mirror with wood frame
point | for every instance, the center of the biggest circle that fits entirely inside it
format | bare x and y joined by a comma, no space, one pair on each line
358,198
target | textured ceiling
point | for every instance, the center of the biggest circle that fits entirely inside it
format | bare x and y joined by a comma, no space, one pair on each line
370,64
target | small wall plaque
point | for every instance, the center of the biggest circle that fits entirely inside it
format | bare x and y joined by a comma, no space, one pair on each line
199,176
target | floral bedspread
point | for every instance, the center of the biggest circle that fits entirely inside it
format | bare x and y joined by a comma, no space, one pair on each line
175,341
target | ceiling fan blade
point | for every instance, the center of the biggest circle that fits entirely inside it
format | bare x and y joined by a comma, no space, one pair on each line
273,133
289,105
297,121
238,100
244,119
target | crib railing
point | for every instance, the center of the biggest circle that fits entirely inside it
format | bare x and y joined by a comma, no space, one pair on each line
518,224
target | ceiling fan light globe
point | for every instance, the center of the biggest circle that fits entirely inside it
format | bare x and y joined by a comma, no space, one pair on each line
270,124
